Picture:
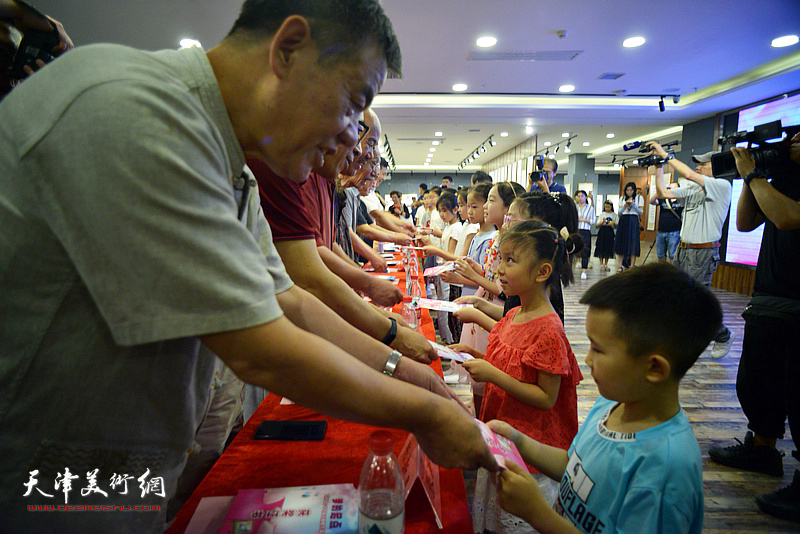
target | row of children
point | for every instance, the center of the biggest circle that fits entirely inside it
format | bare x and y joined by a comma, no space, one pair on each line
635,464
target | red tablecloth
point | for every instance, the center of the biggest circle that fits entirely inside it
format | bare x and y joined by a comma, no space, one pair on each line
252,464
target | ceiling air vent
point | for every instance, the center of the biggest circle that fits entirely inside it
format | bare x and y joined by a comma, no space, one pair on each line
611,75
542,55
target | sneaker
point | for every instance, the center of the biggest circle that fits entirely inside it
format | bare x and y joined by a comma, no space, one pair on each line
583,276
750,457
784,503
722,348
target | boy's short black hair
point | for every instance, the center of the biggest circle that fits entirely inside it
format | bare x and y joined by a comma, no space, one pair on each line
660,310
424,187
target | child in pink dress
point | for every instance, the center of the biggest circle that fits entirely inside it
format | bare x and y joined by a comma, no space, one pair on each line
529,369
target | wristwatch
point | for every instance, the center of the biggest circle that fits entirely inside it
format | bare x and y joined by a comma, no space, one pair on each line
755,173
391,363
389,338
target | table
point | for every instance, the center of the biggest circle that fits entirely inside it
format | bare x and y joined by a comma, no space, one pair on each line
252,464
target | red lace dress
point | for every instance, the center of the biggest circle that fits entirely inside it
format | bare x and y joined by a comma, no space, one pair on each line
522,350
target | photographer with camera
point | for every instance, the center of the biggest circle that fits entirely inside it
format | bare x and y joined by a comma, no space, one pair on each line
43,38
542,179
706,200
770,362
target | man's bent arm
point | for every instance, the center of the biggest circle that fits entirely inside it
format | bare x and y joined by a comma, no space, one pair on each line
284,359
777,207
309,313
302,261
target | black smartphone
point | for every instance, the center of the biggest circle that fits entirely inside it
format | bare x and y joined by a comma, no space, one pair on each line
292,430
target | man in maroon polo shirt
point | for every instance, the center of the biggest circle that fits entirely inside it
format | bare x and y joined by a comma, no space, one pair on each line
321,271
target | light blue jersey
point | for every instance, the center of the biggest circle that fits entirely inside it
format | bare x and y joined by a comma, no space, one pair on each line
647,481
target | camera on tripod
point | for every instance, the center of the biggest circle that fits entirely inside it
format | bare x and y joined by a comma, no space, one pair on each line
771,157
652,159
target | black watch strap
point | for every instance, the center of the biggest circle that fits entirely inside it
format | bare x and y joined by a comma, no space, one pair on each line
755,173
389,338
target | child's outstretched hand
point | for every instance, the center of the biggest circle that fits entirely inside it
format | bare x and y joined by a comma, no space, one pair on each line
463,347
481,370
504,429
517,492
468,315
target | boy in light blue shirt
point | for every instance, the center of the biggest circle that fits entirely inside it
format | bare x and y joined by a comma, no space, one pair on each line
634,465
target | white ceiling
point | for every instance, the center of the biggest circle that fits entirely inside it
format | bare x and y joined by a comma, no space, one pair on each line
692,49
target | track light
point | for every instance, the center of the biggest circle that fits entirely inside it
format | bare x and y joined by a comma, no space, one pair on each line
676,99
556,150
614,160
661,104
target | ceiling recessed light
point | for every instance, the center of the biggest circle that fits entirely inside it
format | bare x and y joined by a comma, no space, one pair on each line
435,143
547,143
565,134
529,130
586,143
786,40
503,134
432,149
438,134
460,87
566,88
633,42
427,163
189,43
609,136
486,41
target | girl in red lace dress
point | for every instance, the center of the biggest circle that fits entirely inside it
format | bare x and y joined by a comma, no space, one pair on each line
530,371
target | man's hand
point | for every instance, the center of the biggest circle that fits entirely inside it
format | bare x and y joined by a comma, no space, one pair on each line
481,370
402,239
468,315
745,164
414,345
657,149
517,491
423,376
383,292
408,228
453,440
379,264
794,149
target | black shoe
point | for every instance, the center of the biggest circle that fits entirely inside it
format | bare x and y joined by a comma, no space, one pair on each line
750,457
784,503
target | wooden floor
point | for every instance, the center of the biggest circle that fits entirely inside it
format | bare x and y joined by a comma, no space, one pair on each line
708,395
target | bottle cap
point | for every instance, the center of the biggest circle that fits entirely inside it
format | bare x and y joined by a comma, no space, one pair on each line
381,442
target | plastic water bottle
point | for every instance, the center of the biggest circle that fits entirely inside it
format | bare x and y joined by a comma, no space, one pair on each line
381,495
410,315
415,290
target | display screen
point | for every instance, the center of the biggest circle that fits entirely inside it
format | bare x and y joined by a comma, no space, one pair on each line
743,247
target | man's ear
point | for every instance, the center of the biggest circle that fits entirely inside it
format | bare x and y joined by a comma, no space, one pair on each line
544,271
659,368
293,35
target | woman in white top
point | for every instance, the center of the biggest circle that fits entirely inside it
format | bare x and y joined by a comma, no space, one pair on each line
585,221
606,222
626,243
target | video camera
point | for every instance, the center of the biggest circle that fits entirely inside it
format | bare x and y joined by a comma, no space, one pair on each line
652,159
538,174
770,157
35,45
